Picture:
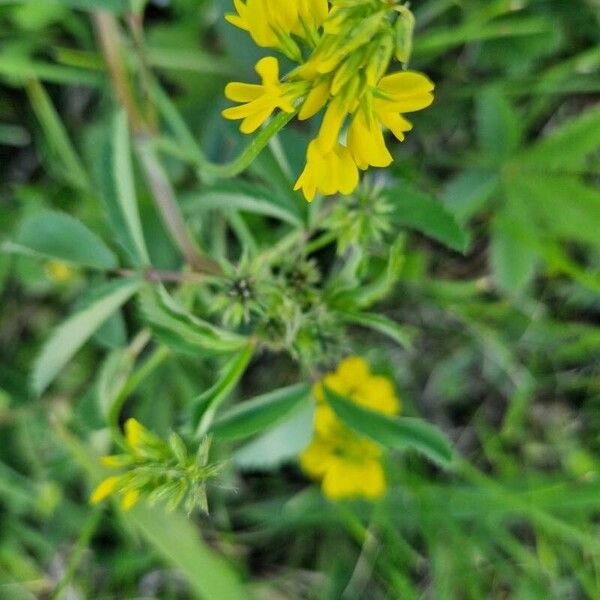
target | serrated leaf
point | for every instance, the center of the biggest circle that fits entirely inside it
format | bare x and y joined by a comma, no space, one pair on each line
419,211
399,432
58,236
260,413
69,337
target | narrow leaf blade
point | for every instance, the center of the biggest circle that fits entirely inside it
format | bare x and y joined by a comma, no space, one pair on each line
69,337
260,413
399,432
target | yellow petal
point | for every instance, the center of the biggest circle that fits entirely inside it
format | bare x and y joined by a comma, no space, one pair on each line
252,122
377,393
396,123
315,458
404,92
134,432
331,126
315,101
130,499
326,422
405,83
105,489
268,69
347,479
365,140
242,92
353,370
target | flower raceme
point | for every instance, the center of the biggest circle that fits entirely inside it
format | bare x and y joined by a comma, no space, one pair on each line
343,49
347,464
155,469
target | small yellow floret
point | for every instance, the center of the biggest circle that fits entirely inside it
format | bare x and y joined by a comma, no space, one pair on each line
258,101
105,489
130,499
134,433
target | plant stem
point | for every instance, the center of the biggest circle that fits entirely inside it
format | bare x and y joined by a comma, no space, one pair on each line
188,148
110,42
159,276
164,197
89,528
162,192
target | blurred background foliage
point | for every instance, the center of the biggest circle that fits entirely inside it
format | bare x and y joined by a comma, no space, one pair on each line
505,342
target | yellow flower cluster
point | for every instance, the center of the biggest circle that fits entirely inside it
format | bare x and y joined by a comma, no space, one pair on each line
135,436
347,464
343,49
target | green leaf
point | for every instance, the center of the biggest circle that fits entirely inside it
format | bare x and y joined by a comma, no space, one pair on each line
58,236
177,541
513,260
498,125
182,331
69,337
243,196
125,187
67,160
279,445
113,376
559,205
260,413
382,286
417,210
469,192
382,324
436,41
566,149
205,405
399,432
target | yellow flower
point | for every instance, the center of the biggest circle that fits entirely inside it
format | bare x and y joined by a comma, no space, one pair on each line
263,21
365,140
105,489
130,499
395,94
135,433
347,467
114,485
349,49
328,171
268,22
399,93
311,14
258,101
347,464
